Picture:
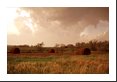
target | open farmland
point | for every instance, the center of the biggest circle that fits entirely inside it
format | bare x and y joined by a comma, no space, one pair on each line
53,40
53,63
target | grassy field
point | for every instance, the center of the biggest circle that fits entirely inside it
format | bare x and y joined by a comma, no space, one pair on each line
57,64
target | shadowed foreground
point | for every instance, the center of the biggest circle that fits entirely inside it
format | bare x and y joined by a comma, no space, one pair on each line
58,64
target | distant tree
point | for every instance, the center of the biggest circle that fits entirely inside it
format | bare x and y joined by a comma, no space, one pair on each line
93,45
103,46
80,45
40,46
62,45
70,45
77,45
57,45
62,48
106,46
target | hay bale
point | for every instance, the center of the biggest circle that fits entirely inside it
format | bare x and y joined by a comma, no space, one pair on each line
16,51
83,51
52,51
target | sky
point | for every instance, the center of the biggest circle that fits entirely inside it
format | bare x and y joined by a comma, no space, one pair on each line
52,25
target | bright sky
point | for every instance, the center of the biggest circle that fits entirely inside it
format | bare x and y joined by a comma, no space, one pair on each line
55,25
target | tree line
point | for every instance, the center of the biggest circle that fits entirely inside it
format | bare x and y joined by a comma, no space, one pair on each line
94,45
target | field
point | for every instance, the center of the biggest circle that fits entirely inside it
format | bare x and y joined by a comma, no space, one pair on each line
52,63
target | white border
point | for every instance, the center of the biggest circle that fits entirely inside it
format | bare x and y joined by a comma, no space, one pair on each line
55,3
61,77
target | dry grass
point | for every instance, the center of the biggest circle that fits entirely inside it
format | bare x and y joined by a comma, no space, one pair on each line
64,64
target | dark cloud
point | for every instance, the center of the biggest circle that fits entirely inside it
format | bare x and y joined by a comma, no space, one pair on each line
65,25
68,15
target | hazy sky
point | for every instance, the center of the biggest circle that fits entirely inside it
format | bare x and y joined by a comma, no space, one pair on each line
51,25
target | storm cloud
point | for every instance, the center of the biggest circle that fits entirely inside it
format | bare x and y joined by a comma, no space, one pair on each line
61,25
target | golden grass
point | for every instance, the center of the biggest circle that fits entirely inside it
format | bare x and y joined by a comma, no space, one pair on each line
65,64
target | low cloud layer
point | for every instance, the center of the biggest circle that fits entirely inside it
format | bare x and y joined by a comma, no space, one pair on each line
60,25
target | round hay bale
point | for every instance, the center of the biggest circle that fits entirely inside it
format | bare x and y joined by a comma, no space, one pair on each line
87,51
83,51
16,51
52,51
